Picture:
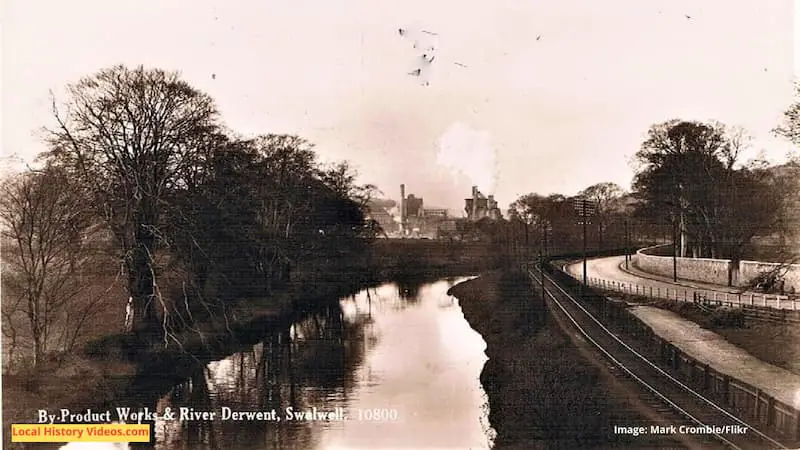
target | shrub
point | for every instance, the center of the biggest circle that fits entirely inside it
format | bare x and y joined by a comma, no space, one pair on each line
725,318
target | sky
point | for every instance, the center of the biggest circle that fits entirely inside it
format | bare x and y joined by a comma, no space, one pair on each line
523,96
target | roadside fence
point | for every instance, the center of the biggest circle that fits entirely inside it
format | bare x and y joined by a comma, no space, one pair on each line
745,400
701,296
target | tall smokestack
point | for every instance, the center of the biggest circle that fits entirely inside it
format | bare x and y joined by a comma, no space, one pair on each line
474,202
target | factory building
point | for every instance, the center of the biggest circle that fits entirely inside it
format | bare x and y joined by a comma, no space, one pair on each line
411,219
481,206
416,221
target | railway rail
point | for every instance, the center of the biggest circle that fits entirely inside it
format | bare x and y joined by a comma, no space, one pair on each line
691,410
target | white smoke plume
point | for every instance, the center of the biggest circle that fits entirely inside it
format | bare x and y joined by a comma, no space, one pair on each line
469,152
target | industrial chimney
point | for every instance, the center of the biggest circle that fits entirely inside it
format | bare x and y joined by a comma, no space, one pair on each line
474,203
402,208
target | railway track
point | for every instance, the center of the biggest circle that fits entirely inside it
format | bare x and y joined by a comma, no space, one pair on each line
693,413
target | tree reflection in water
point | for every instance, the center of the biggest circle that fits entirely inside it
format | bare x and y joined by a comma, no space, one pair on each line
310,364
321,361
408,291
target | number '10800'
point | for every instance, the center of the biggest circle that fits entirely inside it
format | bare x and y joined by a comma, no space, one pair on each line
377,414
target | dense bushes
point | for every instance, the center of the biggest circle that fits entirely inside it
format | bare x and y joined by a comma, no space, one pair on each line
725,318
713,318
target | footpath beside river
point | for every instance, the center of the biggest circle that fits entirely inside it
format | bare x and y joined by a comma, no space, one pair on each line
543,391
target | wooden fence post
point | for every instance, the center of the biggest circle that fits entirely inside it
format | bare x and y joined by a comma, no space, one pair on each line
770,411
725,388
757,412
797,424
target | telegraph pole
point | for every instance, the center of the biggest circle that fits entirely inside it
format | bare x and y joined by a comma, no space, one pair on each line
584,208
546,248
627,245
541,272
584,242
527,244
674,250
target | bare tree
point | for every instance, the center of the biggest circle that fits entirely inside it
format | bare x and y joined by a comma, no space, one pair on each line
44,225
133,135
692,176
603,195
546,217
790,129
679,160
341,177
738,142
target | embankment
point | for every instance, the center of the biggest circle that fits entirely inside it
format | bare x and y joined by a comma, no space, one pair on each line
542,392
117,369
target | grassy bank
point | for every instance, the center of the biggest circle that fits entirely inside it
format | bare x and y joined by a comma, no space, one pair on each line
120,370
774,343
542,392
771,342
431,257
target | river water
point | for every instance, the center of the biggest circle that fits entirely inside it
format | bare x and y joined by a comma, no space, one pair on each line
399,361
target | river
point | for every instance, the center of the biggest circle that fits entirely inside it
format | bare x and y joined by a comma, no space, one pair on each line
399,361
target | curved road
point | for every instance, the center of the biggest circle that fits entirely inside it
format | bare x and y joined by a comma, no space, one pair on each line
607,273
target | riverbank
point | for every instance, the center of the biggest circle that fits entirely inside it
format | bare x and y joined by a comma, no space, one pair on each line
111,371
116,369
542,392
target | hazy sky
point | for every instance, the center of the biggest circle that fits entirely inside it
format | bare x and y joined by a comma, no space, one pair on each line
549,115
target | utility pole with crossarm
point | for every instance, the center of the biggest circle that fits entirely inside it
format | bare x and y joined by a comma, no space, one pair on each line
585,209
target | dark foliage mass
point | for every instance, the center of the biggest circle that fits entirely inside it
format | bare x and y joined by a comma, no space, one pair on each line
691,187
553,224
691,177
200,217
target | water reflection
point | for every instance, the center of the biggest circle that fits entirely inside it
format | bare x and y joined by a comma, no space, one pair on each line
408,290
401,348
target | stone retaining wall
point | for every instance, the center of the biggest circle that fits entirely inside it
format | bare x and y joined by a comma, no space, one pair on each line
709,270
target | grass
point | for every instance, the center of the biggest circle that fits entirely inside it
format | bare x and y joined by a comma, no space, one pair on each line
542,392
772,342
718,318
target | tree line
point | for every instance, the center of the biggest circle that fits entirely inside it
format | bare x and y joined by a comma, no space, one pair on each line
142,175
692,187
